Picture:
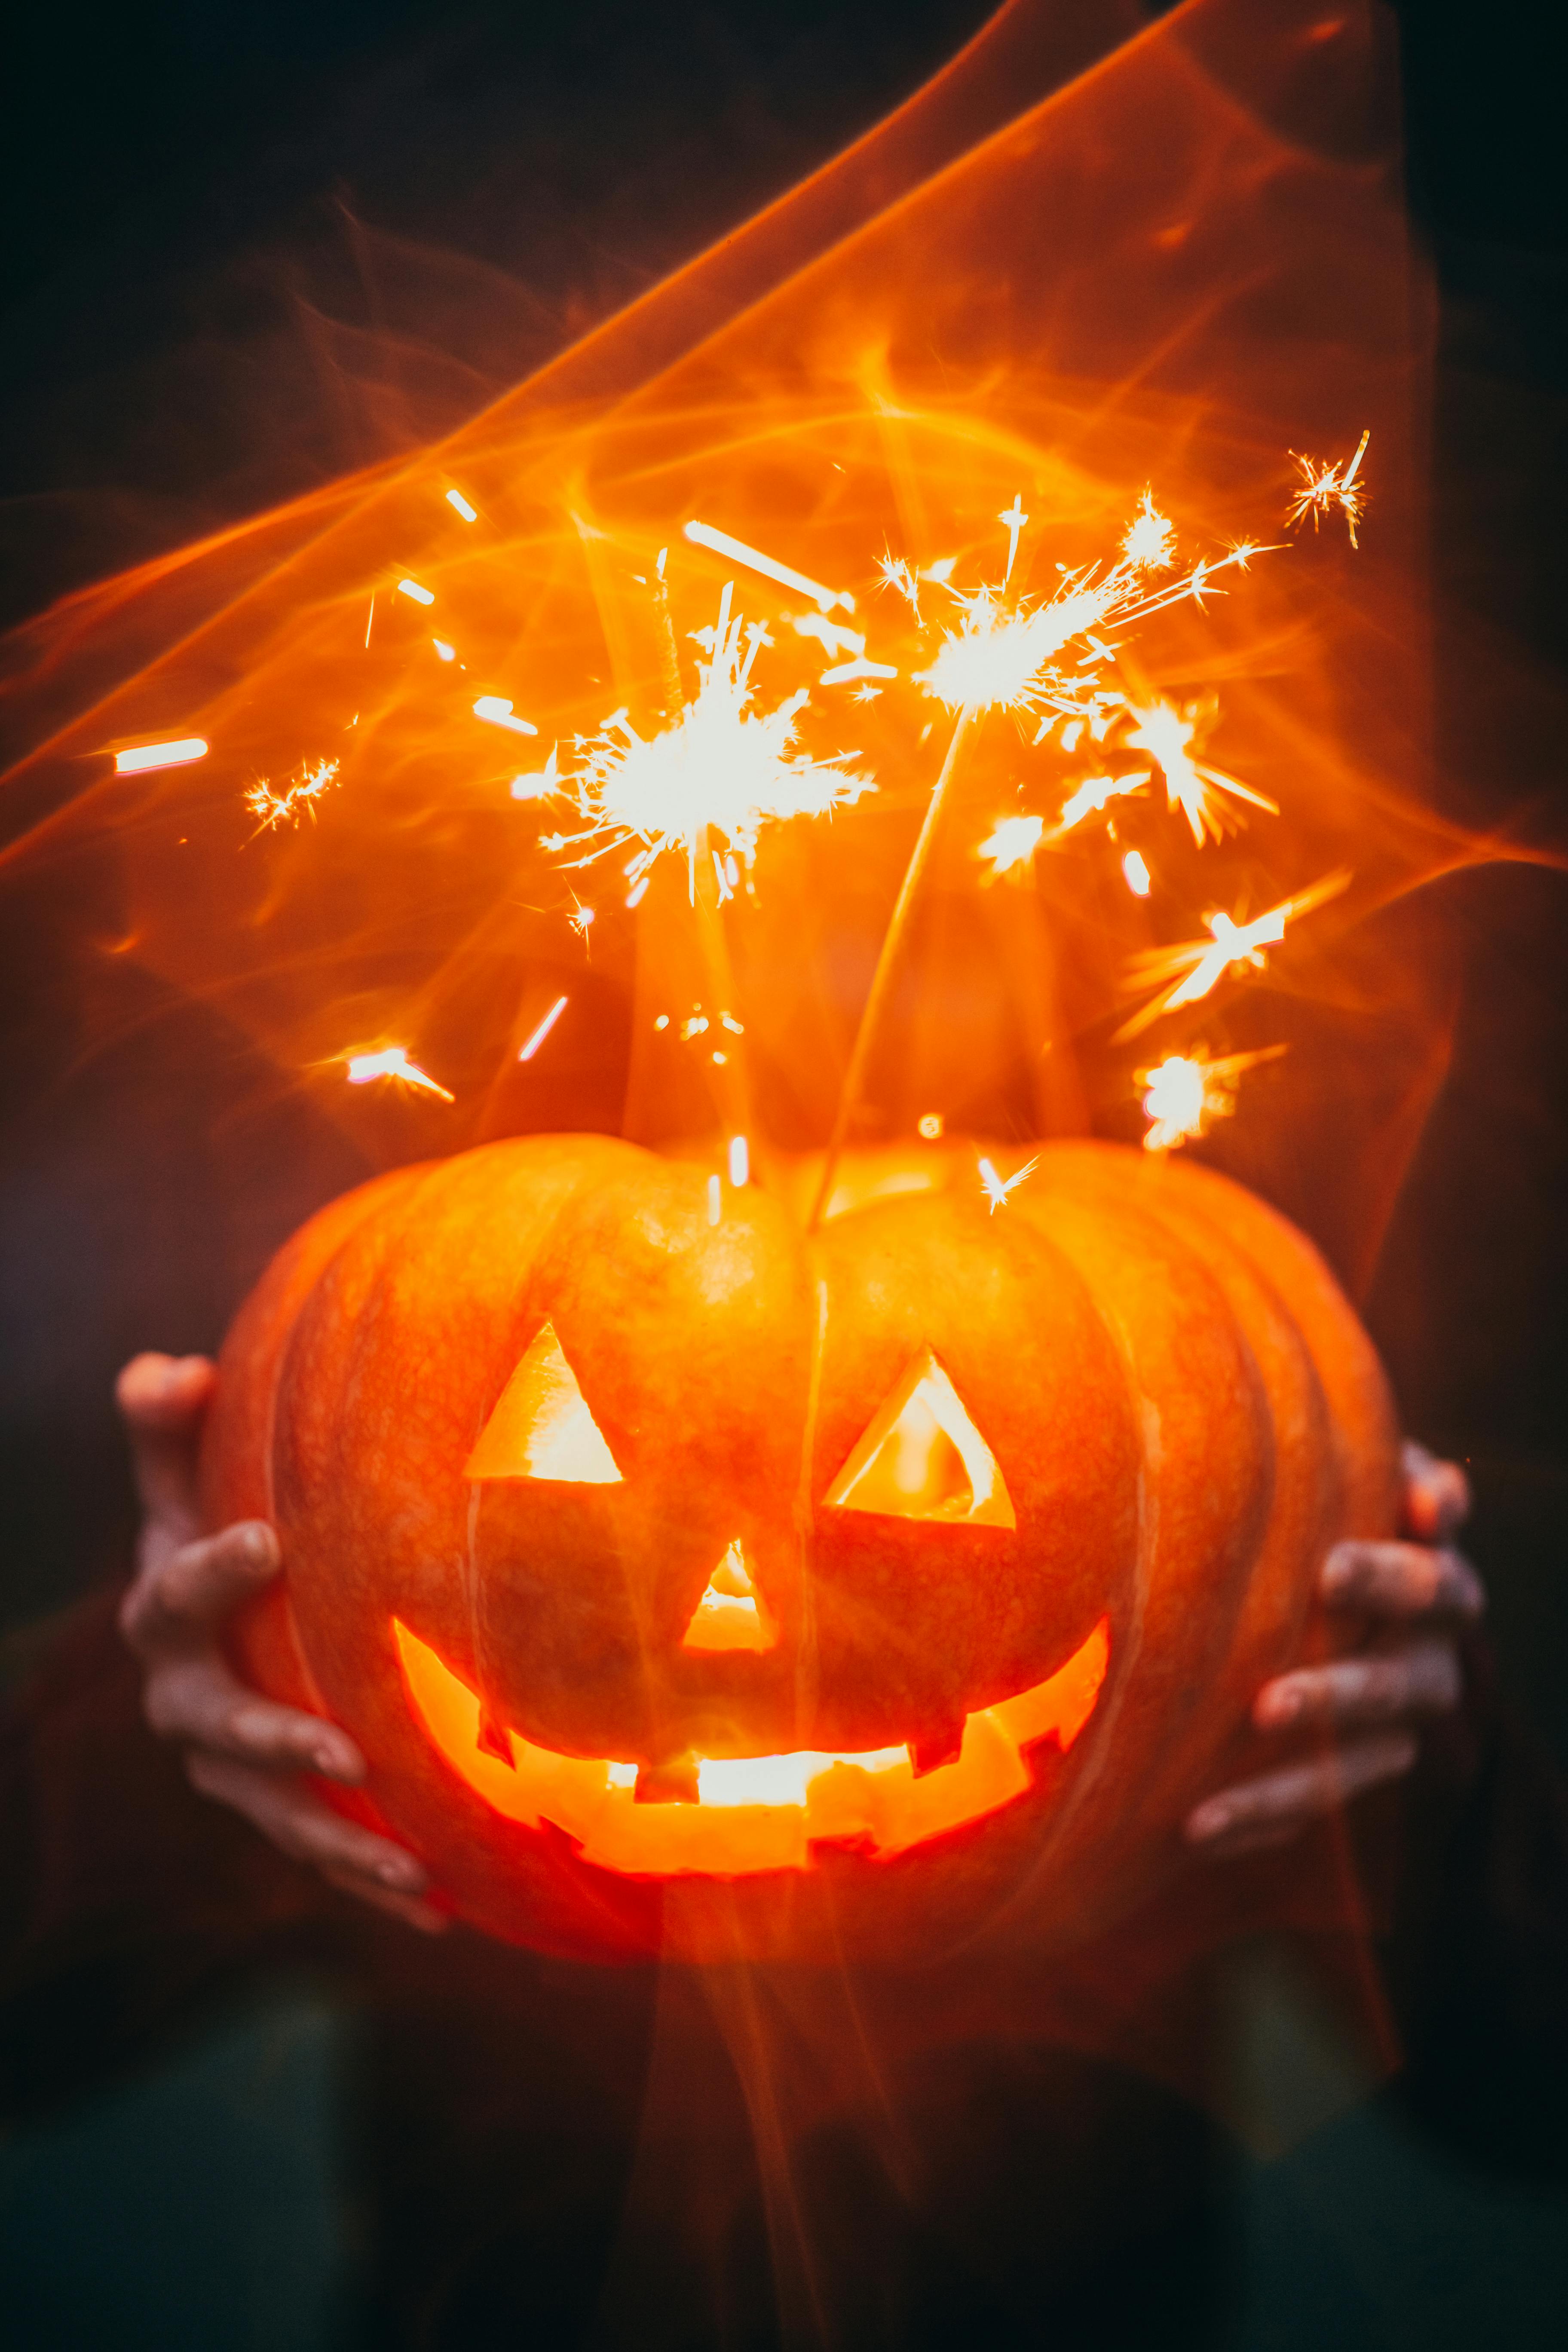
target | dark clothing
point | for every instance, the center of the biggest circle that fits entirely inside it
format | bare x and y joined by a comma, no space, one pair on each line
558,2155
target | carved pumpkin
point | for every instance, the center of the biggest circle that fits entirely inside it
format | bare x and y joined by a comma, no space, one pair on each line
702,1585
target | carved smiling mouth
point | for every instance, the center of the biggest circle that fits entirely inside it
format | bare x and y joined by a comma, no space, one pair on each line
755,1813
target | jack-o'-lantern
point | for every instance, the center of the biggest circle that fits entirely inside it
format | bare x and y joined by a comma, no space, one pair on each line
703,1584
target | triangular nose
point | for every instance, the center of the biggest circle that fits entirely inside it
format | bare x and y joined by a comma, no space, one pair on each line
730,1615
542,1427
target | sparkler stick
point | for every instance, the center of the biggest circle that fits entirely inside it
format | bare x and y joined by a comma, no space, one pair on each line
730,1077
882,978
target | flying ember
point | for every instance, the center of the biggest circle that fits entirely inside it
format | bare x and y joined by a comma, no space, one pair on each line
1170,736
1185,1091
1197,965
1011,845
392,1061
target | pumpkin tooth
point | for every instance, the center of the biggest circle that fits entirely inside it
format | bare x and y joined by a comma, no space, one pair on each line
493,1738
933,1749
674,1784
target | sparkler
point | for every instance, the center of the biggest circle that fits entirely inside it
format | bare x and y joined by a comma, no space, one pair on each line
710,778
882,977
718,771
1185,1091
1007,659
1198,965
1325,486
998,659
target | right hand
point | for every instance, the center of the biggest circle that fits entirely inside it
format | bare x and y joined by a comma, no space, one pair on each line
240,1747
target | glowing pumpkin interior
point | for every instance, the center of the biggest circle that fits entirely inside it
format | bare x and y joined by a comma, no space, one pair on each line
921,1457
751,1813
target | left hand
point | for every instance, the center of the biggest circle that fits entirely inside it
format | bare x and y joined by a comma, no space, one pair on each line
1419,1590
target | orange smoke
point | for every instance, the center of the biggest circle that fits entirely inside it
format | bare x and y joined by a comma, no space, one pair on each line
1018,378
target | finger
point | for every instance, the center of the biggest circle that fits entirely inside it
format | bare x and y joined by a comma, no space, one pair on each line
1436,1496
1251,1840
163,1401
199,1703
300,1826
1419,1676
185,1597
1289,1799
407,1907
1401,1580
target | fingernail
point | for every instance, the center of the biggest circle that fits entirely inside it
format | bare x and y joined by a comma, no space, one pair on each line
1208,1820
327,1760
1280,1704
258,1546
402,1877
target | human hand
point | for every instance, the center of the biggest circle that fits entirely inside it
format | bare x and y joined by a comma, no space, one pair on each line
240,1747
1417,1590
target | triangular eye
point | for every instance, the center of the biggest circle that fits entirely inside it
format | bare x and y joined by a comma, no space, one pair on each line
730,1615
922,1459
542,1427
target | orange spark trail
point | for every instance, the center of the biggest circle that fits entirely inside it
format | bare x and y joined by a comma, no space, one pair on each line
143,758
544,1028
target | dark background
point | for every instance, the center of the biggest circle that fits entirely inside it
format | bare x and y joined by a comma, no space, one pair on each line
248,246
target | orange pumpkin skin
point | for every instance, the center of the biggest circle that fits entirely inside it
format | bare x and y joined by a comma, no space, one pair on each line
1183,1408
